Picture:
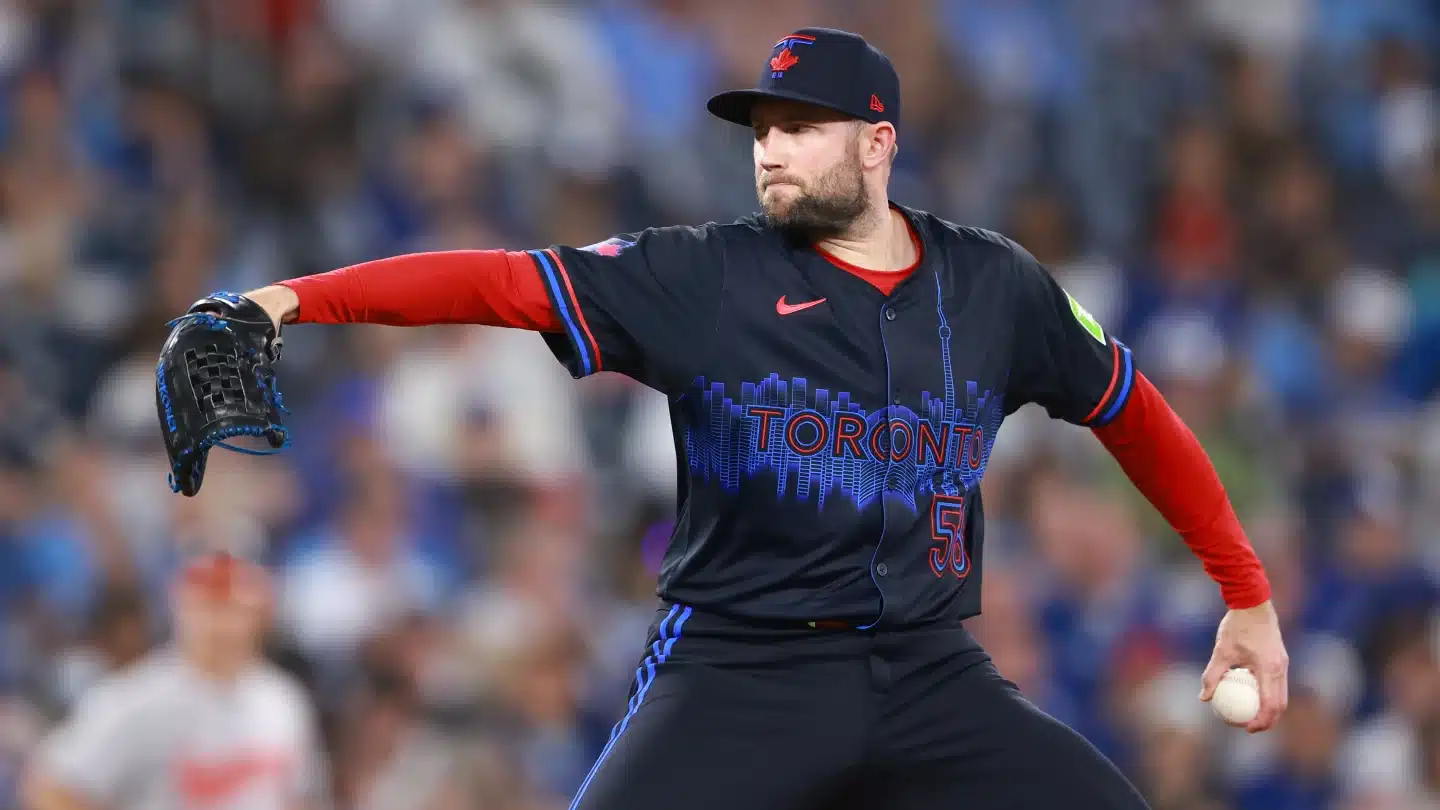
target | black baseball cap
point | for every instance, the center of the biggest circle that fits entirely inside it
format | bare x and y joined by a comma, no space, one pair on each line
822,66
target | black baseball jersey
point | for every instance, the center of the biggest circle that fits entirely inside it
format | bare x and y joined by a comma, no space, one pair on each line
831,439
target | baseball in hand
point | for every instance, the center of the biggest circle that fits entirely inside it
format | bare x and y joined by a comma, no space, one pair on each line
1237,697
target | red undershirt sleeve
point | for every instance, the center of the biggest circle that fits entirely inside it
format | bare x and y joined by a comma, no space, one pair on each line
1165,461
488,287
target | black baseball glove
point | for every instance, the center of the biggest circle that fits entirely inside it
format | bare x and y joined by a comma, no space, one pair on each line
215,381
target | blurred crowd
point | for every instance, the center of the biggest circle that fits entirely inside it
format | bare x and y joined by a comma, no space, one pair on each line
465,541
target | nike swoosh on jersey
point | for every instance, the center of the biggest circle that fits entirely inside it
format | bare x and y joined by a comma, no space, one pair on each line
789,309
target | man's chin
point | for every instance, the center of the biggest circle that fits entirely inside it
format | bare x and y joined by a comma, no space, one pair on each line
776,200
773,209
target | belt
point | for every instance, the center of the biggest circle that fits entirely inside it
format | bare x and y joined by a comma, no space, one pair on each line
771,623
829,624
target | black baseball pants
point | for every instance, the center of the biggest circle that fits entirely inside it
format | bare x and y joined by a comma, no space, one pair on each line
726,715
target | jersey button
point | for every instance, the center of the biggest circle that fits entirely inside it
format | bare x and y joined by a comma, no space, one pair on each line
882,569
889,313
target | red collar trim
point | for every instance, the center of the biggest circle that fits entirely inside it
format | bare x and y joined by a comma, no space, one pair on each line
865,272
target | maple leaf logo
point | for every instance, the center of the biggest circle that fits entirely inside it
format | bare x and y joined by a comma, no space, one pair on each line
783,61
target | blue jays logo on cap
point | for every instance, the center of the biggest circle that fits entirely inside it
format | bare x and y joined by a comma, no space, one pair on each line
785,57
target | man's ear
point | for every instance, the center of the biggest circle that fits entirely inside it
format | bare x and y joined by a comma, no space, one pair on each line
879,145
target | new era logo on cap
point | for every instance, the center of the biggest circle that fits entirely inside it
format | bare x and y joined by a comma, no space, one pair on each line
876,104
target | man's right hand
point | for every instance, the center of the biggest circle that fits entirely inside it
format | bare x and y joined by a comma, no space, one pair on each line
280,302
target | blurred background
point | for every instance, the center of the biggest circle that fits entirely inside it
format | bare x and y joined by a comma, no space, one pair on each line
1245,191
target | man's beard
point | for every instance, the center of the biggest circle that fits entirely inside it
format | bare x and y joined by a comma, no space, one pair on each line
823,209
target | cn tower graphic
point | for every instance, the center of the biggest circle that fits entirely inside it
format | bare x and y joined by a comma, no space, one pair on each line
947,478
945,352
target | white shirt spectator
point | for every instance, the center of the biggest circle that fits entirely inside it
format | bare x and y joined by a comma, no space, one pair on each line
162,736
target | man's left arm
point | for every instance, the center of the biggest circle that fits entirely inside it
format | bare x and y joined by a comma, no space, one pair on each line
1066,362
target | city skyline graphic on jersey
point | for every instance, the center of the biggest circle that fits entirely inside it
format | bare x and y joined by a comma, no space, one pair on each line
809,442
819,445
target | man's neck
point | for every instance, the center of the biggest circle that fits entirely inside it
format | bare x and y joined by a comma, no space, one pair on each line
879,240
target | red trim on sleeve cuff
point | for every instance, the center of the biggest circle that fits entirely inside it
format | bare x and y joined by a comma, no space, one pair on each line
579,312
1110,389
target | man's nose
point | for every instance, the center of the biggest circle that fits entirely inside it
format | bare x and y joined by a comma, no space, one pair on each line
770,153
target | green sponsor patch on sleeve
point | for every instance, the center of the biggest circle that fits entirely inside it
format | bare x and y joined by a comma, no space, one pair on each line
1086,319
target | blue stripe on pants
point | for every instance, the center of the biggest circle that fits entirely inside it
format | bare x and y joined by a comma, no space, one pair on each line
644,677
